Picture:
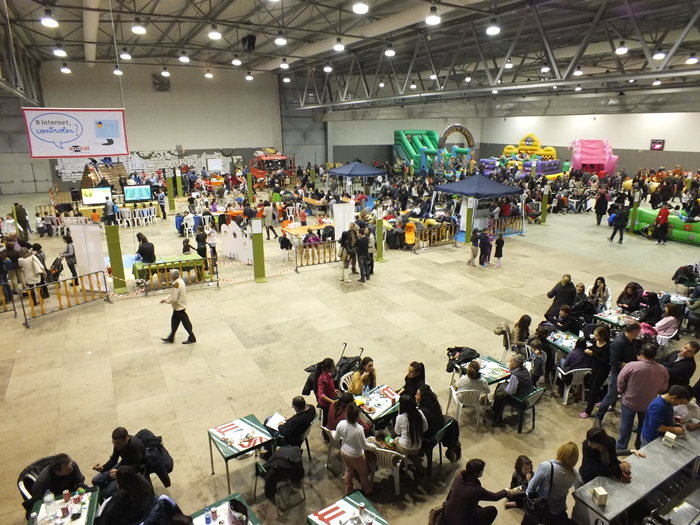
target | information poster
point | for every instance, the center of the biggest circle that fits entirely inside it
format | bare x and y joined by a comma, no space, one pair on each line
67,133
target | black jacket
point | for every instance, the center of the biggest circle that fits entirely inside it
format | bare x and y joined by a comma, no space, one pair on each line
651,315
293,429
120,510
47,480
157,459
601,205
601,357
622,350
462,505
285,463
621,218
592,464
132,455
679,372
562,295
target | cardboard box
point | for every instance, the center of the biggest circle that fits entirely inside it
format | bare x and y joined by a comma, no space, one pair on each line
600,496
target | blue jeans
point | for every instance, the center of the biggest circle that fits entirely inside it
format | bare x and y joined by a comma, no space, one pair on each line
626,423
611,397
106,483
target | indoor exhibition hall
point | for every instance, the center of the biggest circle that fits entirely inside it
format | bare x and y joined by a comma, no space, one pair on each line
352,262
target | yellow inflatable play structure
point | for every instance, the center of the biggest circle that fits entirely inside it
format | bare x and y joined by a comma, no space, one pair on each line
527,153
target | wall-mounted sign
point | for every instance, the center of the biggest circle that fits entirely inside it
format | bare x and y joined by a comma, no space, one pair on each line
657,144
63,133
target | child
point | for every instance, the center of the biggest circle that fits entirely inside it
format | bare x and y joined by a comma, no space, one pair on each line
9,225
539,359
48,227
40,226
95,216
186,247
499,249
521,478
302,216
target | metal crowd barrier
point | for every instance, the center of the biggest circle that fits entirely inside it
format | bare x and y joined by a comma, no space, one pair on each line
290,183
437,236
508,225
69,292
318,253
46,208
4,306
193,272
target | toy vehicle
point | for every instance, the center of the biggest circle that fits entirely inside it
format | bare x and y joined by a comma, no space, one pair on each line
263,162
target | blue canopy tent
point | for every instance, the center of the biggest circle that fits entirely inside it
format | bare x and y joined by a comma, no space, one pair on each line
480,187
355,169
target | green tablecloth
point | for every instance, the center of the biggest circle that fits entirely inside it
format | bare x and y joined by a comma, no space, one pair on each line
184,263
342,510
222,507
91,507
565,345
227,437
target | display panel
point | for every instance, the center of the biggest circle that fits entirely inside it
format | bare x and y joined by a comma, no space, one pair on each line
137,193
95,196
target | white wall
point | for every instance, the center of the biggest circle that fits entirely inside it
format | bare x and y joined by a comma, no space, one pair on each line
630,131
368,132
198,113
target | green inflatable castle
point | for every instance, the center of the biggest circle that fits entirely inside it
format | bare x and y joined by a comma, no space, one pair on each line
677,229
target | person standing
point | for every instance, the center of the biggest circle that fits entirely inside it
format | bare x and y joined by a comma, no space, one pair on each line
33,271
109,213
660,224
362,247
269,220
353,450
474,246
620,224
161,202
484,246
372,251
69,256
212,236
622,351
563,293
201,240
600,369
178,300
499,249
22,221
638,384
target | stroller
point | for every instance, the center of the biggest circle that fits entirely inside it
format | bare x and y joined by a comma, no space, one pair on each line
342,367
54,272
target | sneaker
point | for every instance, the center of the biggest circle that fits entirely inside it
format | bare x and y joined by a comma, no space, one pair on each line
360,280
484,266
597,423
657,242
619,242
583,415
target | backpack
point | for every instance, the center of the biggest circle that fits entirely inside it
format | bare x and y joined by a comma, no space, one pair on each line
7,264
611,219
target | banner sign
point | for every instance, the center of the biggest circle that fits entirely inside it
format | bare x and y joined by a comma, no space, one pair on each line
56,133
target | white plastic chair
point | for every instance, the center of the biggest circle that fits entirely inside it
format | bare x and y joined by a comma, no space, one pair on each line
152,215
345,381
124,218
188,226
390,460
469,398
290,213
578,376
333,444
137,216
663,342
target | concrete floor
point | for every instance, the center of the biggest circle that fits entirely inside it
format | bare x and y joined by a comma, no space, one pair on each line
67,382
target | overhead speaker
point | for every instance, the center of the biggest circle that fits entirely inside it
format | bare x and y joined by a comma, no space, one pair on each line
248,42
161,83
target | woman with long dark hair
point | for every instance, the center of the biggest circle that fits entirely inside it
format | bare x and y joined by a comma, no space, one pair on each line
410,426
600,296
325,387
652,313
414,380
430,407
600,354
628,300
132,501
366,375
69,257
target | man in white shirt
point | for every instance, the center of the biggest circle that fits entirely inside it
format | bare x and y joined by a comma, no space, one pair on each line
178,300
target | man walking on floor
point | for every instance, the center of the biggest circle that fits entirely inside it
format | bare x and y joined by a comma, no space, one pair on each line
161,202
178,300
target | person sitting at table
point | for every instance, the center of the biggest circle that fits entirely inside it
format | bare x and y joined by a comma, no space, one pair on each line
146,251
600,295
366,375
339,411
292,430
414,380
409,427
132,502
652,312
565,323
62,473
666,327
187,220
681,364
577,358
311,237
326,392
519,385
462,504
600,457
628,300
660,417
538,360
472,380
429,405
128,451
541,335
353,450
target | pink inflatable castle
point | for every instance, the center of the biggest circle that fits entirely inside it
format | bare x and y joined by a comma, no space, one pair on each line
596,155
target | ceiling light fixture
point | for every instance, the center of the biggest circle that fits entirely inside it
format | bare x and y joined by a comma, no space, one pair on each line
184,58
621,49
631,80
137,28
284,64
117,71
545,69
48,20
656,82
328,68
286,80
468,79
578,72
59,51
280,40
214,33
125,55
578,88
659,55
493,29
360,8
692,59
236,61
508,64
208,74
389,51
494,91
65,69
249,77
554,86
165,72
413,85
338,45
433,18
381,85
433,77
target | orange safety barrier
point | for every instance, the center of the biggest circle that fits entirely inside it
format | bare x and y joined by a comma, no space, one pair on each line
317,253
4,306
508,225
437,236
290,183
46,208
68,293
191,271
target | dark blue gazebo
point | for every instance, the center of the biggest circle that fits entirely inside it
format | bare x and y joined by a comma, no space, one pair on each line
356,169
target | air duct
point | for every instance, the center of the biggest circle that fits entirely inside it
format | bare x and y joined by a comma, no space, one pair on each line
91,21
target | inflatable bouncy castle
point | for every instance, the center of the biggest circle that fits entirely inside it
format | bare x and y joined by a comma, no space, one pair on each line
678,228
528,154
593,155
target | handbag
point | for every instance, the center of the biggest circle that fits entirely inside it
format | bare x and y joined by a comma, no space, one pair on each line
537,509
435,515
237,512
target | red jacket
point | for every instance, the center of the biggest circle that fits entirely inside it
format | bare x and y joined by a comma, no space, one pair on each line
662,217
325,387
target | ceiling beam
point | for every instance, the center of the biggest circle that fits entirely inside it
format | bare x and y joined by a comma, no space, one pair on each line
586,40
545,43
680,39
